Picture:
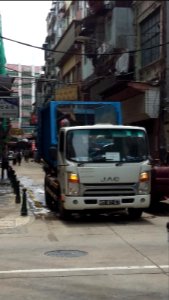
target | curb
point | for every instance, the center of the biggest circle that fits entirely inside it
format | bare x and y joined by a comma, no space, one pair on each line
13,218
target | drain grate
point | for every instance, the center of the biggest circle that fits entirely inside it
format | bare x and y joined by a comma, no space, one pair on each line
66,253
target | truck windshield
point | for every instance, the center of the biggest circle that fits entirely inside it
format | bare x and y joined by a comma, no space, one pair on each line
107,145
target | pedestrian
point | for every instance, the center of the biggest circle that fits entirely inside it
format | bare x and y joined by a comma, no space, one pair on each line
19,158
14,158
4,164
64,122
26,155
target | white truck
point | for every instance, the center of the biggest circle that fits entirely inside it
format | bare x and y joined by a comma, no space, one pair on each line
94,168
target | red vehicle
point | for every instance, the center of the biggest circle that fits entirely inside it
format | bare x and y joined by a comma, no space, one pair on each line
160,182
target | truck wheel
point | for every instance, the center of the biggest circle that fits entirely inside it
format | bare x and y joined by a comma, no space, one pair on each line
135,213
63,213
48,197
48,200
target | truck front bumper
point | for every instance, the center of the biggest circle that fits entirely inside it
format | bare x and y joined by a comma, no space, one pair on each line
87,203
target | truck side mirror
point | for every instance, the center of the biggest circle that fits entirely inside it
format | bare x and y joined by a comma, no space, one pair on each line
53,152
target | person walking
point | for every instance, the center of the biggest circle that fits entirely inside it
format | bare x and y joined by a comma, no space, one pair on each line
14,158
19,158
4,164
26,155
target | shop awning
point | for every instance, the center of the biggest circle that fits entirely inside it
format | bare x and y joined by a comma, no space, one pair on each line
128,90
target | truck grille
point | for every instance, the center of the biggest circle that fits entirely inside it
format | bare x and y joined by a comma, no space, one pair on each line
122,189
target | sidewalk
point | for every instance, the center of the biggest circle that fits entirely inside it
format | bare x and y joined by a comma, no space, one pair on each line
31,177
10,211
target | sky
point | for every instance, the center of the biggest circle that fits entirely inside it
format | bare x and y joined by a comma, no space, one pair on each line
24,21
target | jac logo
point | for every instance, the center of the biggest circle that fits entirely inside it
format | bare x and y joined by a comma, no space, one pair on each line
110,179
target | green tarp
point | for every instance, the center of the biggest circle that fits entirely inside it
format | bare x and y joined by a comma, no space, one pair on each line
2,53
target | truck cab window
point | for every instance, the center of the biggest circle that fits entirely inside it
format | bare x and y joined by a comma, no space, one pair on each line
105,145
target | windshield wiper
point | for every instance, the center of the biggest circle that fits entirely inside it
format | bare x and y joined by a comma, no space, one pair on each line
98,159
80,164
119,163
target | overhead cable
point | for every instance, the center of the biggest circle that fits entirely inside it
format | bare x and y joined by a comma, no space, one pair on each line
86,54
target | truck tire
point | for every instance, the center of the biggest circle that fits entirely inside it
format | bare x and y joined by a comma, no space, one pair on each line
135,213
64,214
48,200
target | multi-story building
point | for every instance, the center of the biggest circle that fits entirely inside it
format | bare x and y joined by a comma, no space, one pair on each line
113,51
107,35
129,64
150,65
166,99
5,91
63,63
24,87
82,38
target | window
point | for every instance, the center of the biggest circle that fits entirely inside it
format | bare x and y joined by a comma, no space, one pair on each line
107,145
108,31
27,97
26,102
150,37
13,73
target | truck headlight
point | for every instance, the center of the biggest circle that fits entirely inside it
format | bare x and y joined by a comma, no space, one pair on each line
144,183
73,184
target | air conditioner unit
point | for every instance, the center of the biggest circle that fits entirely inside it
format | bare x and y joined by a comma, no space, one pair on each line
108,4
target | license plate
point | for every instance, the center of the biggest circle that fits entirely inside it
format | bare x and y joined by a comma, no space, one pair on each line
109,202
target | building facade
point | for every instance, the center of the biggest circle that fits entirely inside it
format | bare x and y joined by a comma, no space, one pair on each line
112,51
63,57
150,66
24,87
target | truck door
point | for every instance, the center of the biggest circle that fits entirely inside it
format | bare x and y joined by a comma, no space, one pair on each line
61,156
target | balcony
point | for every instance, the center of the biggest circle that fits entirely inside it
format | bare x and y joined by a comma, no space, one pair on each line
88,24
26,114
103,6
26,91
96,9
66,42
26,102
62,7
96,6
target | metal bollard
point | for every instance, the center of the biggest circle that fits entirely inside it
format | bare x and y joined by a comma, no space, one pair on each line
17,198
24,211
15,183
11,175
167,226
13,179
9,172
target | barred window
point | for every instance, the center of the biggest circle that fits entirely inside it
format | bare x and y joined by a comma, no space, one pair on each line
150,37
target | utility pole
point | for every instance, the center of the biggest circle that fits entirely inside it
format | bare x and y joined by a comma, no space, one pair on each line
166,108
163,86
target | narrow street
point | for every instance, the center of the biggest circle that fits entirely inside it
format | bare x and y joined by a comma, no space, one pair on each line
86,258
